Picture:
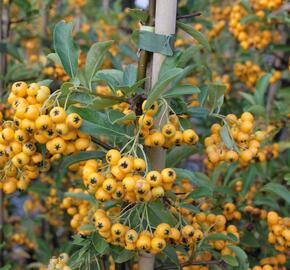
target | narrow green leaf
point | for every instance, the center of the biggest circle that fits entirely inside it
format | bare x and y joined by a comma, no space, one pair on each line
279,190
195,34
198,193
95,58
121,255
241,256
246,4
230,260
224,133
54,58
99,243
117,117
161,85
198,112
66,48
221,236
261,87
181,90
130,75
177,154
250,98
171,255
158,213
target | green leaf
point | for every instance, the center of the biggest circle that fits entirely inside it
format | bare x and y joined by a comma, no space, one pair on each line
113,77
257,110
87,227
198,179
157,214
130,75
177,154
45,82
181,90
248,97
6,267
161,84
99,243
96,123
249,240
95,58
117,117
246,4
248,179
80,196
230,260
261,87
66,48
121,255
138,14
12,50
241,256
224,133
198,193
221,236
287,177
195,34
171,255
54,58
250,18
278,189
216,95
198,112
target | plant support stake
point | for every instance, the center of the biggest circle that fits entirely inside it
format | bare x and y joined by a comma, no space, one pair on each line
165,24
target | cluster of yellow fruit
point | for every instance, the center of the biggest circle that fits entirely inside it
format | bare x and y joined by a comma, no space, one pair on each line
169,136
279,231
35,121
21,239
249,73
126,179
220,15
223,79
255,212
252,34
275,262
164,234
231,212
247,147
79,209
55,72
271,5
78,3
32,48
59,262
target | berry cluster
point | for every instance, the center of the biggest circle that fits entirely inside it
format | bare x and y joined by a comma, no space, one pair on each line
59,262
246,147
169,135
249,73
164,234
252,33
36,122
279,231
275,262
127,178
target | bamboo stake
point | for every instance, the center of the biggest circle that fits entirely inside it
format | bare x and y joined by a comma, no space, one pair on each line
165,23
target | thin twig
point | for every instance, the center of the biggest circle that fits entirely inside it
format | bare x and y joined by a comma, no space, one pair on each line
102,144
187,16
166,267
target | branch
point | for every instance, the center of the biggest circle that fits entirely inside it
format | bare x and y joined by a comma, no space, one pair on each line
187,16
102,144
189,264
